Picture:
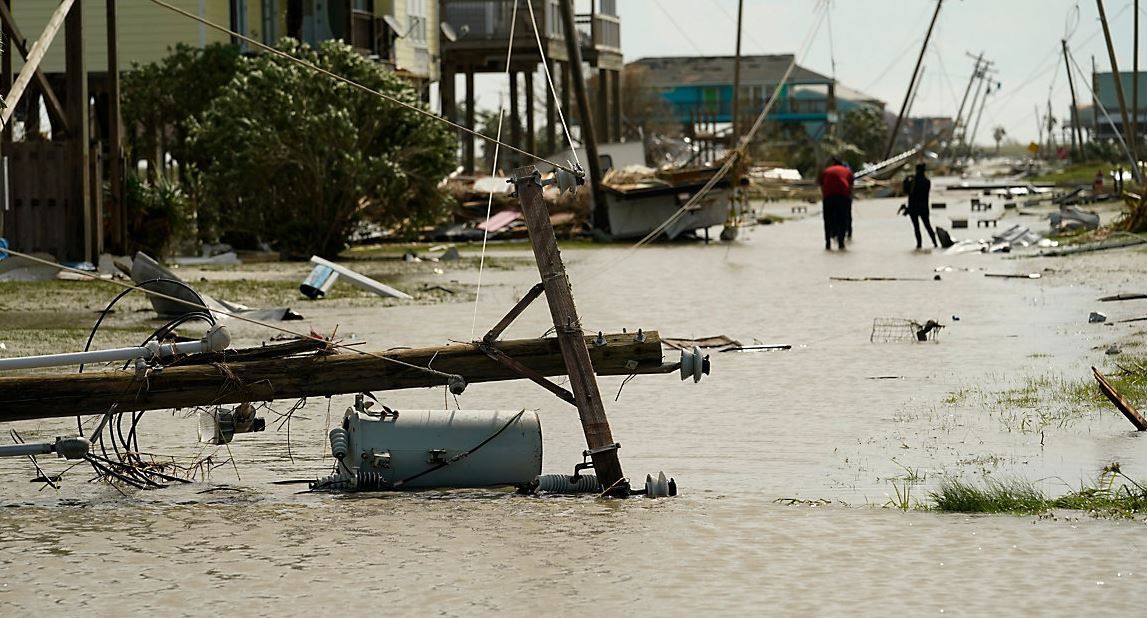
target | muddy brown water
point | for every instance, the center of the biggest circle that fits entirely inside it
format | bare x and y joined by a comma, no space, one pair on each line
837,419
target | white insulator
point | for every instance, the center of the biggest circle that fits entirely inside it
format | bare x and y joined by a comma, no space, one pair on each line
656,488
340,443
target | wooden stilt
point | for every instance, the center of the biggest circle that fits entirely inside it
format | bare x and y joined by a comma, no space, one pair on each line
575,352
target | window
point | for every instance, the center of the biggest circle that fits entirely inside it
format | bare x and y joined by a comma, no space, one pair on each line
416,21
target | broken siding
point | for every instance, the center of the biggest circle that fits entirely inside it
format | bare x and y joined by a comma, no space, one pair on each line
146,30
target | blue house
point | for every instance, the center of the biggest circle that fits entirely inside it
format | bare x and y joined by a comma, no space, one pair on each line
702,87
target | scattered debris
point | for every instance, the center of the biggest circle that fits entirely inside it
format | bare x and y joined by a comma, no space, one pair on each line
933,278
1124,406
1014,275
1113,350
320,280
721,343
1071,219
899,330
1123,296
1103,245
144,270
1096,317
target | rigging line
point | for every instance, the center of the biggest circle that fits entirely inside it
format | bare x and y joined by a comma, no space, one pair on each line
356,85
550,81
684,34
494,171
742,143
230,314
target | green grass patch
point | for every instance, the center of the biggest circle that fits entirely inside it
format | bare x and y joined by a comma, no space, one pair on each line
1017,497
1077,174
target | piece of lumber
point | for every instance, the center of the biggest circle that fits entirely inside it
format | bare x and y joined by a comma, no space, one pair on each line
57,395
32,61
1119,401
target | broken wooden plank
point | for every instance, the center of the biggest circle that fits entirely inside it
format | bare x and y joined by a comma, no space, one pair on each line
1119,401
61,395
35,55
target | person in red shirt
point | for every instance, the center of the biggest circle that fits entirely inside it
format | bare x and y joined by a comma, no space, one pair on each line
836,191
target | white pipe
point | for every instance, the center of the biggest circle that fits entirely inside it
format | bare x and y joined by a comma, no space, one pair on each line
361,281
216,340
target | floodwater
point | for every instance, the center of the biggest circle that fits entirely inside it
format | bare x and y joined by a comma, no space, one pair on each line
838,422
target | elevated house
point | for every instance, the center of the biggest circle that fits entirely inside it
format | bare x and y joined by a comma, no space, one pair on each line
480,33
55,201
698,88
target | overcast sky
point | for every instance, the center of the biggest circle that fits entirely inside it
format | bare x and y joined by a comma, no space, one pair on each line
875,44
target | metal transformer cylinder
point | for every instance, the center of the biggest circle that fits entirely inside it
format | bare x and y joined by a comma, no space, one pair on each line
410,447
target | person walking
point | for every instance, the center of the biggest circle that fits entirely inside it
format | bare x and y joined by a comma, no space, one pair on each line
917,188
836,193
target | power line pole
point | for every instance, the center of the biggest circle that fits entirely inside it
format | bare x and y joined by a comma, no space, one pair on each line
912,82
1115,72
963,101
1076,144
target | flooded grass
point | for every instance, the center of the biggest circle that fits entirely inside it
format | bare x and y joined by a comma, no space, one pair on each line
1125,501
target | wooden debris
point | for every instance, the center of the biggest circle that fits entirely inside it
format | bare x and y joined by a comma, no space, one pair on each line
1119,401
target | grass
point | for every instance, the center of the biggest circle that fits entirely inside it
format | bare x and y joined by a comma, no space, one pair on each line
1125,501
1078,174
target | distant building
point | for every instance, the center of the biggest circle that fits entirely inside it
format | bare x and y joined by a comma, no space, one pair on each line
1103,84
694,86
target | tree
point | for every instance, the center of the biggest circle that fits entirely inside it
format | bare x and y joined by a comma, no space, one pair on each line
998,134
160,99
864,128
300,159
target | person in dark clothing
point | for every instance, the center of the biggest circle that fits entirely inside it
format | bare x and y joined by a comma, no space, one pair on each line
917,188
836,190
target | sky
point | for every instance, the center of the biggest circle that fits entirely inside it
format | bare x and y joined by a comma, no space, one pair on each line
875,43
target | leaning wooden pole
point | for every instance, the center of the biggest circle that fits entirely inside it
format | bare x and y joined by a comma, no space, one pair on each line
1073,116
912,82
575,353
1118,83
55,395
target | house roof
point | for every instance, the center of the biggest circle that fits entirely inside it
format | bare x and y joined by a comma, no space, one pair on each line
673,71
718,70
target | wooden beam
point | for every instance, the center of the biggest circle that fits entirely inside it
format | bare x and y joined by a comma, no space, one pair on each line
53,395
575,353
55,110
32,60
585,114
79,116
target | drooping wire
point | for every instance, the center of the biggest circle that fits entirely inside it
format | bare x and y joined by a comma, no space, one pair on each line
550,81
353,84
494,169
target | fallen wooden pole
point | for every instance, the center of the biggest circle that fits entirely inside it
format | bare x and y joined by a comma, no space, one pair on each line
1124,406
56,395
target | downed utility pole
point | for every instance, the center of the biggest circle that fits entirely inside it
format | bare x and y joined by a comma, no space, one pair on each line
227,381
575,354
